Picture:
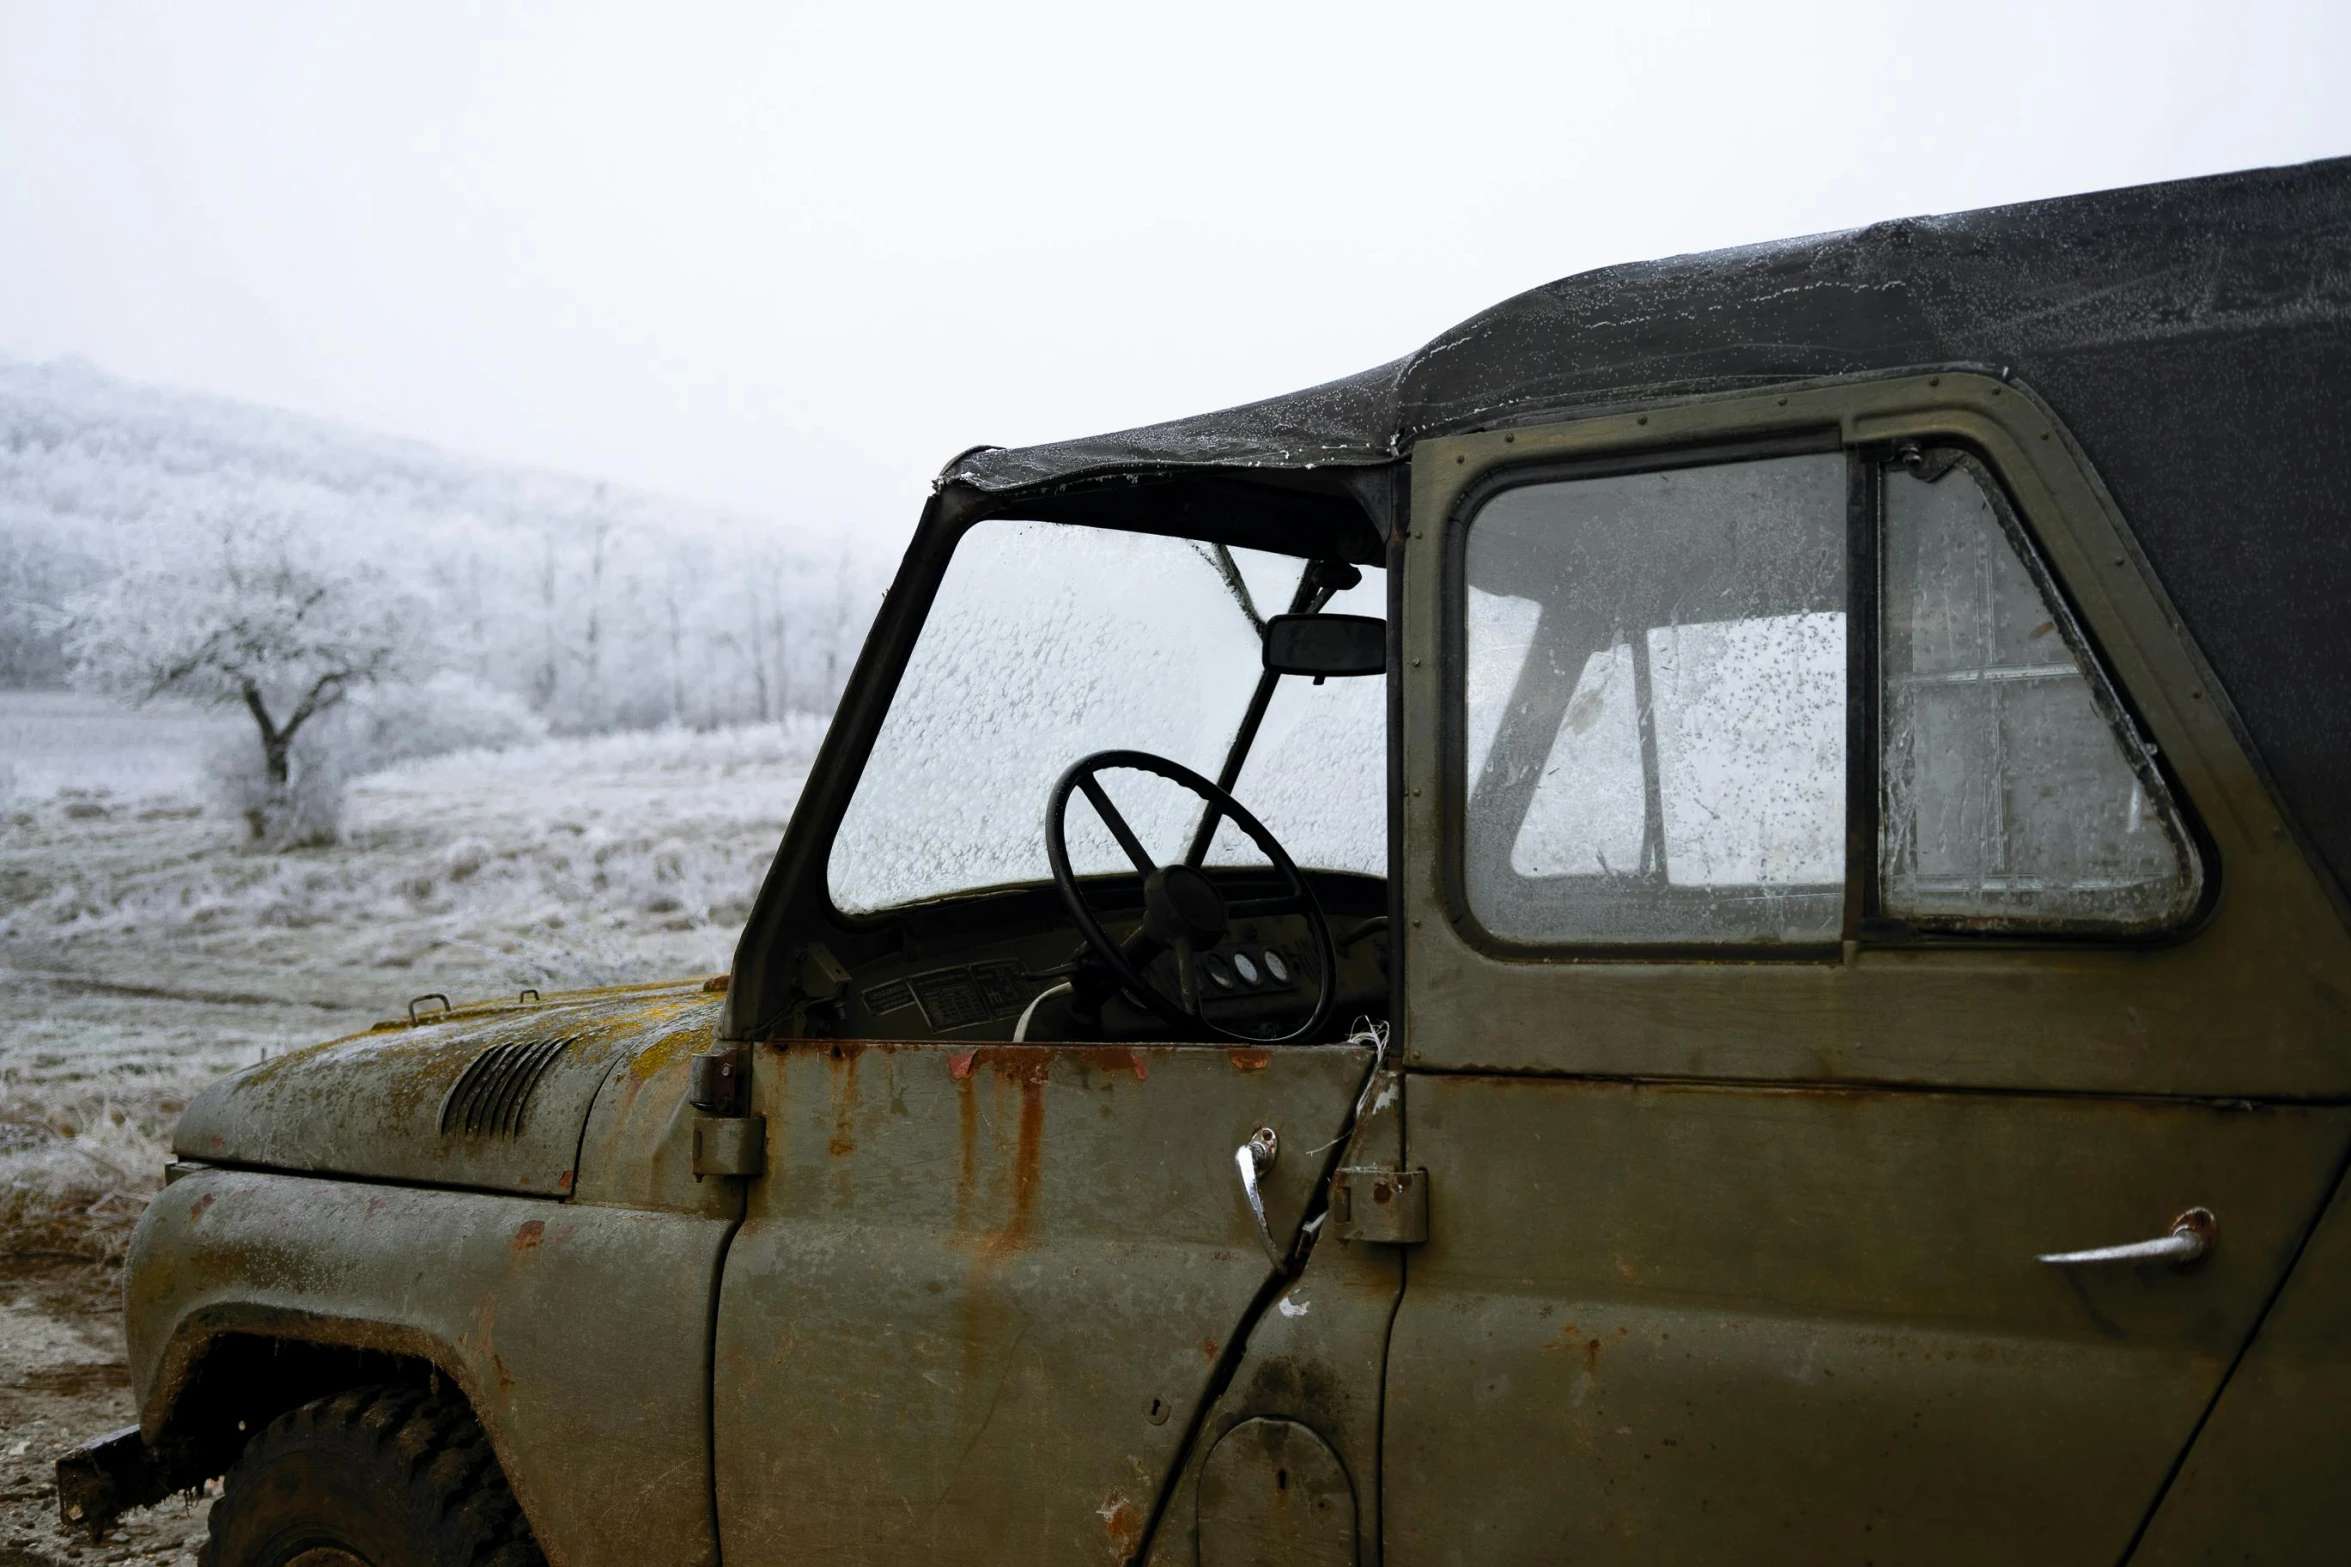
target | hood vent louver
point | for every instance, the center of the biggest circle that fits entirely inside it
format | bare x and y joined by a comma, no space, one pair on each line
490,1098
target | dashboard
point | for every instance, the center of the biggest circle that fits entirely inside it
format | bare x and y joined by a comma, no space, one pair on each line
969,968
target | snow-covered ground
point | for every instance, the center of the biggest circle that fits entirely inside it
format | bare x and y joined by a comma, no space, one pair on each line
141,938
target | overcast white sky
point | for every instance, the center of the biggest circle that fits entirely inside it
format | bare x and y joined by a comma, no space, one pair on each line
792,258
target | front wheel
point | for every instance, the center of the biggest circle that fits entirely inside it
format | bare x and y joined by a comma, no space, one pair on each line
375,1477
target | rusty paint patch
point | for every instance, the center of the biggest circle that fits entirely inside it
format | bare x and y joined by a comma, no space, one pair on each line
1208,1349
1573,1342
1115,1059
1122,1522
202,1203
532,1232
563,1182
1250,1060
959,1065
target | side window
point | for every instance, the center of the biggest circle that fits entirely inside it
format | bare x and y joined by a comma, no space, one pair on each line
1655,670
2013,794
1655,717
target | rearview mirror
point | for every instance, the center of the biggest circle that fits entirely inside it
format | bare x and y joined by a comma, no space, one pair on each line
1321,645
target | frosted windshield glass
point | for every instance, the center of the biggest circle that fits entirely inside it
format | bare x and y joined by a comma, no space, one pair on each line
1048,642
1654,705
1317,773
2011,791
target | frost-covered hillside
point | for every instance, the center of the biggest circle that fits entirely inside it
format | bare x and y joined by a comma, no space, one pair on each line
142,938
601,606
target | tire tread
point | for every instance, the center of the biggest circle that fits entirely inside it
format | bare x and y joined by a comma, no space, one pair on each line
426,1443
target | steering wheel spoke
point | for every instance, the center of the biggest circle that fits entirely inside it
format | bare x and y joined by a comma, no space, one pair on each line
1184,912
1097,796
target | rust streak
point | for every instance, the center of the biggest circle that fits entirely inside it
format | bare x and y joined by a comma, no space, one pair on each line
967,1116
844,1139
1027,1155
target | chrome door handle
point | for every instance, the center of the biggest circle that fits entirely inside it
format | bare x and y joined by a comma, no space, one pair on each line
1253,1158
2190,1238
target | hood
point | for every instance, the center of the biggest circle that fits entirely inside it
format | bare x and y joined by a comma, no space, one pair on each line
490,1100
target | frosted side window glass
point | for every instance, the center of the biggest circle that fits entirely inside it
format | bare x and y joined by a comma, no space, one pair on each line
1654,706
2012,794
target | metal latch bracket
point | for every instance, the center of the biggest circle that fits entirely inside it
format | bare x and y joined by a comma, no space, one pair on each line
1385,1207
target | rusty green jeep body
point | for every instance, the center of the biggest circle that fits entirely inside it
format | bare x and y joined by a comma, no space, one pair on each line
1789,1001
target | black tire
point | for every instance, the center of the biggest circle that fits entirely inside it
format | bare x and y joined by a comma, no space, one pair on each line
380,1476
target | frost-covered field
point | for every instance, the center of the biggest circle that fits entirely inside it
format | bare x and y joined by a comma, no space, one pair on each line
140,937
144,948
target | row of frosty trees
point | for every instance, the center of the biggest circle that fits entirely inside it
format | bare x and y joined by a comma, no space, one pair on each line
362,598
344,663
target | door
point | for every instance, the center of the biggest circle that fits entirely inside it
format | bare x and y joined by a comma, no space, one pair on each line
980,1293
1831,898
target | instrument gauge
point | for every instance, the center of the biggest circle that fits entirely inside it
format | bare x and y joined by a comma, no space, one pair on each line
1247,969
1275,968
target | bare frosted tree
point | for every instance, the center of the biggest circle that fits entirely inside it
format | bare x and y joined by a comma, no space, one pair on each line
249,623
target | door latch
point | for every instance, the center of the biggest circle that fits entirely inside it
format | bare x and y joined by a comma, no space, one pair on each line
1253,1158
1385,1207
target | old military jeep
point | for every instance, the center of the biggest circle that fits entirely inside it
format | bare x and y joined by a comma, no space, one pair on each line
1702,922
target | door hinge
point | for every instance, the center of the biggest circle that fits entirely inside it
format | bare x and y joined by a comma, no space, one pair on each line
730,1145
1385,1207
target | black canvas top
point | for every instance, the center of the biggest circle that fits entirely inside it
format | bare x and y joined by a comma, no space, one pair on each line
2195,337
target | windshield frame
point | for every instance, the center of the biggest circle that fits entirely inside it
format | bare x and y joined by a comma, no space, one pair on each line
784,957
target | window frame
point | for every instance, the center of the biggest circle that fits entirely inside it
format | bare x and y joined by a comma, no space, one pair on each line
2107,698
1864,922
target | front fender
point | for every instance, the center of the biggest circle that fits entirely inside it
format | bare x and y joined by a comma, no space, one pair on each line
580,1334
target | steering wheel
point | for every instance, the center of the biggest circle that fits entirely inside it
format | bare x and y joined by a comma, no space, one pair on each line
1183,911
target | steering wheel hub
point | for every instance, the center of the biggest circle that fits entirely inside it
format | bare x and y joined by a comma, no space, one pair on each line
1182,904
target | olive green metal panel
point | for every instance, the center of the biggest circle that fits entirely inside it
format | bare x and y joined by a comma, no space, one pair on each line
1316,1359
1691,1323
493,1099
579,1334
977,1299
1273,1494
637,1150
2269,1479
2254,1003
